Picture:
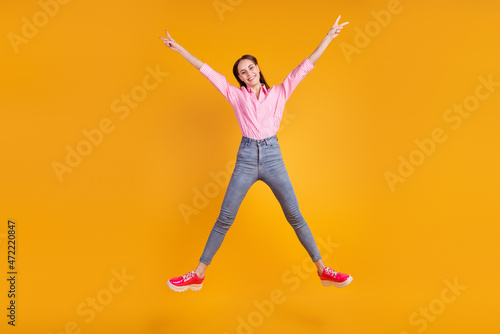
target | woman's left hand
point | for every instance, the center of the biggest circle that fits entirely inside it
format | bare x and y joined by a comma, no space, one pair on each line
335,30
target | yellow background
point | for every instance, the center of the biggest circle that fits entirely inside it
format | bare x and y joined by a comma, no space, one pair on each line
344,127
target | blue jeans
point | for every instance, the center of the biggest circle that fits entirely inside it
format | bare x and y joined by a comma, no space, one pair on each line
259,160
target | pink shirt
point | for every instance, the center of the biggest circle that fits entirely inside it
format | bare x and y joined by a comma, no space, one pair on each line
258,118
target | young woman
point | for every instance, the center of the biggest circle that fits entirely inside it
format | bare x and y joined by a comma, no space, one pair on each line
258,109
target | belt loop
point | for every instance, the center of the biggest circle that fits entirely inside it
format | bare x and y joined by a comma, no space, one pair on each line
267,141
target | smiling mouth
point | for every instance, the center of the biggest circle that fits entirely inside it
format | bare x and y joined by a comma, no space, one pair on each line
251,78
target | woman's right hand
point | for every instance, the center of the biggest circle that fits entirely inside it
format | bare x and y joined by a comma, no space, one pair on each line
170,42
173,45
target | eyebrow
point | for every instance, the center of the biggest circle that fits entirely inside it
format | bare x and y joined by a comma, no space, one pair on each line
245,68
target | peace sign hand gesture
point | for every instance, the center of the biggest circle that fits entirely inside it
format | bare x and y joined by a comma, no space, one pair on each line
335,30
173,45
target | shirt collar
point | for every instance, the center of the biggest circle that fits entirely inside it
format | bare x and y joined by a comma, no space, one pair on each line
263,88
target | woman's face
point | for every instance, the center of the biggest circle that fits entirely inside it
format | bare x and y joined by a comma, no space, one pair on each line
248,72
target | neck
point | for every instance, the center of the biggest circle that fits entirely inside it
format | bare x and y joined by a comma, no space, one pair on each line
256,87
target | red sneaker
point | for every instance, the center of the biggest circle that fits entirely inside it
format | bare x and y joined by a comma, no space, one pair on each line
186,282
332,277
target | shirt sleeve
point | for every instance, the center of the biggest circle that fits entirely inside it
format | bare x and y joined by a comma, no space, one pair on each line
296,76
218,80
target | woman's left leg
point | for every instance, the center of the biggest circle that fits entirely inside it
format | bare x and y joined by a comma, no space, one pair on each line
275,175
282,188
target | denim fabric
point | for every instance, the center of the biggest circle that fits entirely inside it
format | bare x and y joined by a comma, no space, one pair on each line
259,160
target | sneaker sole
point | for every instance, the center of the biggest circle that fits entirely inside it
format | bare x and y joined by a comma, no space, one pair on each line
192,287
337,284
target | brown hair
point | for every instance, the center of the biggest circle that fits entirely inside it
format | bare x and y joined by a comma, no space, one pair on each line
254,60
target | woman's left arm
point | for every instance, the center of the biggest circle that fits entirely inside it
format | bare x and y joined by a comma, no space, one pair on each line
334,32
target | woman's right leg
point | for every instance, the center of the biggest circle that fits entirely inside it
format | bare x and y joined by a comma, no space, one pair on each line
200,270
244,175
241,180
238,186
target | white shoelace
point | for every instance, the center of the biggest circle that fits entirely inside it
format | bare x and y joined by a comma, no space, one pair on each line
187,276
332,272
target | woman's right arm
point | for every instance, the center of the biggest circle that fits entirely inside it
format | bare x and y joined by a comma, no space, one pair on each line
217,79
173,45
